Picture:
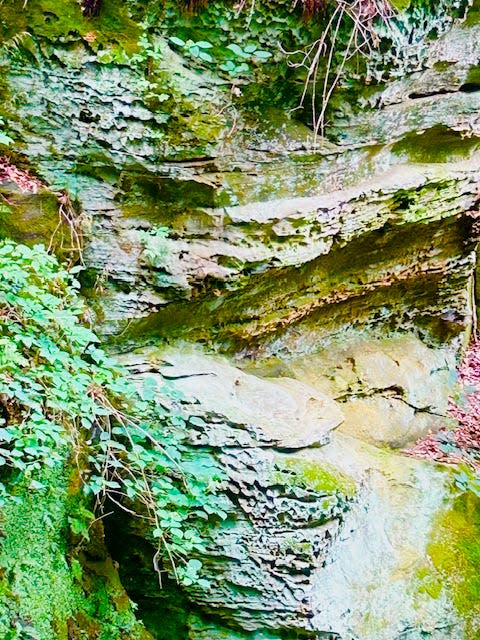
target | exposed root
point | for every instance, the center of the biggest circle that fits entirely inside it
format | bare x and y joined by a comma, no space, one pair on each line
68,217
71,242
362,14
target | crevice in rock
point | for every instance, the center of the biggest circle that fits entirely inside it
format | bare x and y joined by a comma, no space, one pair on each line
248,318
163,610
467,87
428,94
470,87
393,392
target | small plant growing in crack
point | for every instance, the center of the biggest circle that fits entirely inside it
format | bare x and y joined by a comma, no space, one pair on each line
155,246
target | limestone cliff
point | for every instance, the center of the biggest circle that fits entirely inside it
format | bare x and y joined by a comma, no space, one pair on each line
309,295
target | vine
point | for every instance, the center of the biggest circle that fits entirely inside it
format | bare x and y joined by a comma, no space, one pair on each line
63,398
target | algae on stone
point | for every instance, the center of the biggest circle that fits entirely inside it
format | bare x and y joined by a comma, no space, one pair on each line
49,589
455,554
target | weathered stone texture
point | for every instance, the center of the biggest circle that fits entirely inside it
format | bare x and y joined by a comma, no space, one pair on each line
243,216
310,264
301,517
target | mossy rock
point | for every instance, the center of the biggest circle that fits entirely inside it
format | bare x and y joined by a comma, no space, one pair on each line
322,478
35,218
64,20
49,588
28,218
455,554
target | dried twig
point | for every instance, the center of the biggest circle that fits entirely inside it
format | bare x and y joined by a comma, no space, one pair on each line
362,14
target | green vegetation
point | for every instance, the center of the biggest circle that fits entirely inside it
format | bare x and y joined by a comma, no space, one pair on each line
63,20
27,216
45,591
155,246
5,139
320,477
455,553
115,97
65,404
237,60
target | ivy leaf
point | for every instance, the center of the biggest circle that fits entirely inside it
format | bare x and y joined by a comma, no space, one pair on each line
203,55
5,140
178,41
36,485
263,55
238,51
194,564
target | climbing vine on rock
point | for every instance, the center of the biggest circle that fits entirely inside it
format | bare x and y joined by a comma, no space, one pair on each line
62,398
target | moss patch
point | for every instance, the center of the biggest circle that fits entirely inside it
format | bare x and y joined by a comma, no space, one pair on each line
38,589
438,144
28,218
430,582
46,592
324,478
455,553
63,20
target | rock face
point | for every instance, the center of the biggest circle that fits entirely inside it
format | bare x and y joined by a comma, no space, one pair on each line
237,235
320,540
284,511
338,278
399,377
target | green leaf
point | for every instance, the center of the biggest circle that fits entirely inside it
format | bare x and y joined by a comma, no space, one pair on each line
67,392
263,55
205,56
228,66
34,484
5,435
194,564
178,41
238,51
5,140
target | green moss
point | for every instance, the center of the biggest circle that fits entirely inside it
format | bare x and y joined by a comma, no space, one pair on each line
321,477
473,15
400,5
28,218
46,592
440,144
271,23
33,560
63,19
455,553
429,582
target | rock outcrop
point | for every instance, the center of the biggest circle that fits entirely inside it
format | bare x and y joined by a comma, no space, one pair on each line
338,275
235,235
320,541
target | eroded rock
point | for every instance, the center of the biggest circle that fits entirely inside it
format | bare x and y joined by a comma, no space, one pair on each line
320,540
